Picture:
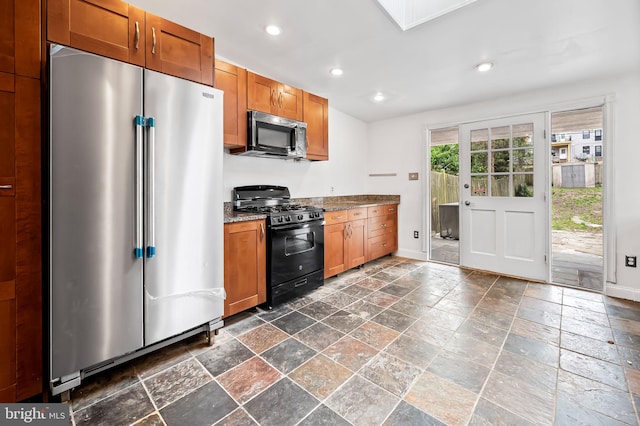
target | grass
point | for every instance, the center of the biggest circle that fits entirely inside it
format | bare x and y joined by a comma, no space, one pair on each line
585,203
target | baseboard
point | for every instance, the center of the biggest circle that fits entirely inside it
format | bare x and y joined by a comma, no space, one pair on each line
412,254
615,290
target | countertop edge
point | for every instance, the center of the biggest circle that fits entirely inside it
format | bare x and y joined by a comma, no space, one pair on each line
328,204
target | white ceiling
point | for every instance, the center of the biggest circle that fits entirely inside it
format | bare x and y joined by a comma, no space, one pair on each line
533,43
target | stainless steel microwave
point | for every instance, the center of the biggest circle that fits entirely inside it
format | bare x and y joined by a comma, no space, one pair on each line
272,136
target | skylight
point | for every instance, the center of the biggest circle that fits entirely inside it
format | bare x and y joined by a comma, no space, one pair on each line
410,13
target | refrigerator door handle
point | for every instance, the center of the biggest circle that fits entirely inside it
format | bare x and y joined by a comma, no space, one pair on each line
138,250
151,169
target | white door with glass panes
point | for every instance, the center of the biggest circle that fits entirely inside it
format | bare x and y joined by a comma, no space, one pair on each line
502,196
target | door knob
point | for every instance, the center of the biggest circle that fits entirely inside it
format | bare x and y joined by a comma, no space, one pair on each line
467,203
466,185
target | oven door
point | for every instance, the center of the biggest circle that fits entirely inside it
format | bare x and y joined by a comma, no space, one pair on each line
296,250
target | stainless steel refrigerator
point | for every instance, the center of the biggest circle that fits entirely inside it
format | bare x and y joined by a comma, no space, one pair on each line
136,212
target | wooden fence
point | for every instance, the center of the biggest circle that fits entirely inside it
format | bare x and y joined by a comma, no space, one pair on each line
444,189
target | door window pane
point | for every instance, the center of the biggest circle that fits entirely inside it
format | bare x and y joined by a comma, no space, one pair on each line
500,137
479,186
500,161
523,185
479,139
479,162
523,135
500,186
523,160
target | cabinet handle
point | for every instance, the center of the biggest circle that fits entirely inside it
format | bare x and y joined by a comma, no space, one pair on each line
281,100
346,231
384,245
261,231
336,217
391,209
274,99
137,35
384,225
153,37
6,186
357,214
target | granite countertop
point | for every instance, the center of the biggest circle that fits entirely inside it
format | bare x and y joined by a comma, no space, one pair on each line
345,202
348,202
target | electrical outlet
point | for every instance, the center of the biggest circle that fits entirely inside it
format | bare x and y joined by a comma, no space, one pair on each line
413,176
415,234
630,261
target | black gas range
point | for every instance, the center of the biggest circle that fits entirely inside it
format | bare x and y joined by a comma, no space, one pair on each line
295,240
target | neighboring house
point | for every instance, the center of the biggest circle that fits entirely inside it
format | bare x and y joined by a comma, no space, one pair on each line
577,146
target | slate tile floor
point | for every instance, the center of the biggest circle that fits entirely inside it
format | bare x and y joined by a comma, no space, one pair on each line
397,342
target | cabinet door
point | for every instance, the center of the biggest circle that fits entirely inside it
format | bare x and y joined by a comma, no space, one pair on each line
176,50
316,115
110,28
262,94
289,102
7,325
335,249
8,240
245,267
357,243
20,37
232,81
7,134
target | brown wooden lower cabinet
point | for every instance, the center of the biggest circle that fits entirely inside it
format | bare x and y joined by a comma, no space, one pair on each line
353,237
345,240
245,269
382,224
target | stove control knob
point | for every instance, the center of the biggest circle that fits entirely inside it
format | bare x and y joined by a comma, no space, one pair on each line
280,219
300,217
288,218
317,214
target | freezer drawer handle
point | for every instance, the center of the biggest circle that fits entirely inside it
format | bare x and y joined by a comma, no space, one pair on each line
6,186
138,251
151,170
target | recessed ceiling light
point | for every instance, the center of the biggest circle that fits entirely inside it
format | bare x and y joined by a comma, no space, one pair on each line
484,66
336,72
273,30
379,97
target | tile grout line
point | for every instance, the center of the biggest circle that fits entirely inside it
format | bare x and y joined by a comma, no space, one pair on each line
492,369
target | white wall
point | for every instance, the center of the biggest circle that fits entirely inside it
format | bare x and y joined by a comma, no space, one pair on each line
345,171
398,146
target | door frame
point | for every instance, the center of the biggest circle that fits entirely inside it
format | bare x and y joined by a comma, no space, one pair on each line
607,102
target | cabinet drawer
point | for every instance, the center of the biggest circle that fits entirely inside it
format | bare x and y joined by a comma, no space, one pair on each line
379,246
355,214
338,216
382,210
382,227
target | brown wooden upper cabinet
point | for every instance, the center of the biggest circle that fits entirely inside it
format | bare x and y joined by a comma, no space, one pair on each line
120,31
109,28
176,50
232,80
20,37
316,115
272,97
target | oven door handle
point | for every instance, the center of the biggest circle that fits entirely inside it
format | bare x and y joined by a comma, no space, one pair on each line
297,226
